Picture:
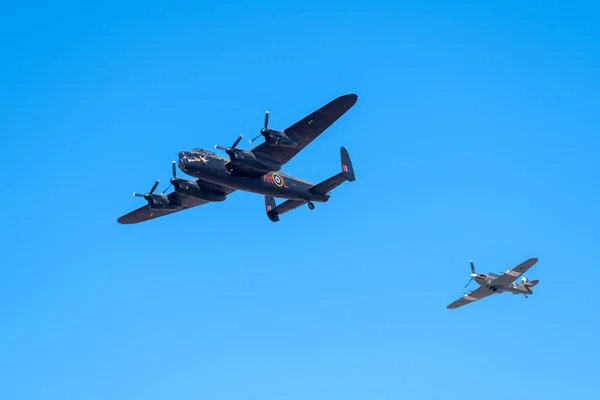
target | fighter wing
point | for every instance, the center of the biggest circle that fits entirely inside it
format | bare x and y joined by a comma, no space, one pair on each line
307,129
513,274
475,295
144,213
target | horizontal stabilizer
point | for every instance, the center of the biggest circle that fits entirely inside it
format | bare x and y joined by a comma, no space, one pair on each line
328,184
347,174
532,283
529,286
274,210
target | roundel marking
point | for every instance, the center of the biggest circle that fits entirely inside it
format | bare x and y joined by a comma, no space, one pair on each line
278,180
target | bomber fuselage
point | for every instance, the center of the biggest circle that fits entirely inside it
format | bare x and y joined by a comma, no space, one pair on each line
212,168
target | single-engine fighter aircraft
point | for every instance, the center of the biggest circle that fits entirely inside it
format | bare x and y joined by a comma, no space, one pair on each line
256,170
492,283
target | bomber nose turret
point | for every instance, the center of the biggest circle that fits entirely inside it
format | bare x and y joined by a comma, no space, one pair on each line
183,161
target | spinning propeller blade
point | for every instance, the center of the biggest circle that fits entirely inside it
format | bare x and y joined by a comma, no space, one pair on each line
237,141
228,149
263,130
149,194
472,273
154,187
174,178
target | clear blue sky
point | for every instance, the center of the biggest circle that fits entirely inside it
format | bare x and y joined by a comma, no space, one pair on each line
475,136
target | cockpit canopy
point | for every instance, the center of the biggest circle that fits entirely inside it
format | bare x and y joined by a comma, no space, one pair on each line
202,151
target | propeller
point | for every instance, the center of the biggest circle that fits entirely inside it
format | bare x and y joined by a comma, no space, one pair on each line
174,179
148,196
229,150
473,274
264,130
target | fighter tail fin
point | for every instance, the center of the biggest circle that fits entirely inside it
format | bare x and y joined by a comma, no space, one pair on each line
529,285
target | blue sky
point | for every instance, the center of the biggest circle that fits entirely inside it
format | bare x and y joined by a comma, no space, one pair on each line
474,137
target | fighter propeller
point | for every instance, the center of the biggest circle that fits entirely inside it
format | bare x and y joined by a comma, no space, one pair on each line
473,274
273,136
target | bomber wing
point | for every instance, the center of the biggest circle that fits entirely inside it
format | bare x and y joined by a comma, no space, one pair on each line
144,213
513,274
475,295
307,129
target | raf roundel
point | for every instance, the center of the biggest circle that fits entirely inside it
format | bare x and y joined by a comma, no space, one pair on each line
278,180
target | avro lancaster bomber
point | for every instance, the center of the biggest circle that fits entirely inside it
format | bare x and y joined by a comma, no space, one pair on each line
256,170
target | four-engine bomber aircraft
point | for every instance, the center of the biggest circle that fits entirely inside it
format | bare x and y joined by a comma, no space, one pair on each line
492,283
256,170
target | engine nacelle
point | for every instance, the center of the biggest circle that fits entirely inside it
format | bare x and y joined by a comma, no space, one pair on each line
278,138
159,201
247,160
191,188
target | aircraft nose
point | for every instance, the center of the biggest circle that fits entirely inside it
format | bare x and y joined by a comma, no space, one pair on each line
182,163
473,275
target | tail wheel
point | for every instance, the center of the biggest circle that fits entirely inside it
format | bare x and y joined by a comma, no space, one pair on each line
311,206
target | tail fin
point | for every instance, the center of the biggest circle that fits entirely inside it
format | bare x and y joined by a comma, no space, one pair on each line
347,174
532,283
274,210
347,169
529,285
270,205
